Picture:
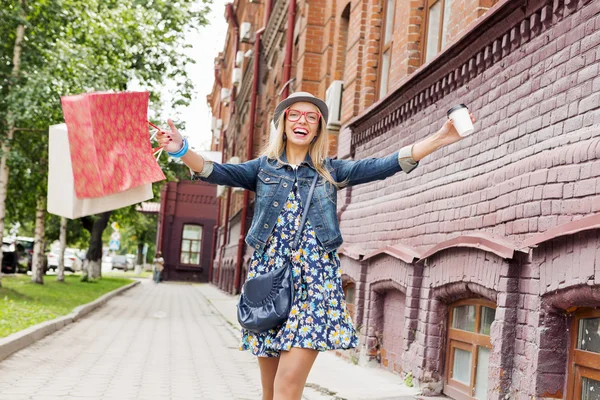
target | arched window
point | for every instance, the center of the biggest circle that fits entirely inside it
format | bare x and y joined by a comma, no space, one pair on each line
350,294
584,356
469,345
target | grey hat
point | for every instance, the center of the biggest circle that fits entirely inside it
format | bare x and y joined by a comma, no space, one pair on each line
296,98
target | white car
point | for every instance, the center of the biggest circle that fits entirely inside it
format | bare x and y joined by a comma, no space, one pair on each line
72,262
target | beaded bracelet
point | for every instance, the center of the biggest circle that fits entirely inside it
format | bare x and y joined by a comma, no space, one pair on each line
182,152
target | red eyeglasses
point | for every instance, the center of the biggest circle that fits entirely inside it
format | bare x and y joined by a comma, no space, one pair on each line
295,115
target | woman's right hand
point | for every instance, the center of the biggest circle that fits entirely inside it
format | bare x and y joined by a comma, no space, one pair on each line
171,141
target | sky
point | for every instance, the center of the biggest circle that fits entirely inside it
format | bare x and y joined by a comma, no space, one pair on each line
206,43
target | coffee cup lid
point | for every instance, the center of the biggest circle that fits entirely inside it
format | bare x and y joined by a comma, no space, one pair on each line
456,107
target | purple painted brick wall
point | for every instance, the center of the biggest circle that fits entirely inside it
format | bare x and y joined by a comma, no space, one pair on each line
392,338
532,164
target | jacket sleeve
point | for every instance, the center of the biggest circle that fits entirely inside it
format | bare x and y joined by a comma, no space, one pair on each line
235,175
372,169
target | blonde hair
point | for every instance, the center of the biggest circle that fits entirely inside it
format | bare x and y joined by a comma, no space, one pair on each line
317,150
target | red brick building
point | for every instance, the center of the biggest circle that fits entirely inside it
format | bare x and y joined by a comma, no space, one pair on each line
185,230
477,275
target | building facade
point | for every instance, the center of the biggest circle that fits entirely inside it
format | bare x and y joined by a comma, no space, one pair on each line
186,222
478,274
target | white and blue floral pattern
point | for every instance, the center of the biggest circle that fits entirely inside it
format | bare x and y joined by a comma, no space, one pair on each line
318,318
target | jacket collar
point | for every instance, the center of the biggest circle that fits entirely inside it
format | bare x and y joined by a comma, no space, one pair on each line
283,157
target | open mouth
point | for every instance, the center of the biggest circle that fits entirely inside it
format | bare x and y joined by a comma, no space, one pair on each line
301,131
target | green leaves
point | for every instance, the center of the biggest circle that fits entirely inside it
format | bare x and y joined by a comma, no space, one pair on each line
75,46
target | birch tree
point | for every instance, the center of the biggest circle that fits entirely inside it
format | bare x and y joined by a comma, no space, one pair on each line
10,122
61,47
60,271
37,265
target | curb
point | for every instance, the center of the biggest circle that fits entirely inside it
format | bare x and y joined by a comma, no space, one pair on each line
19,340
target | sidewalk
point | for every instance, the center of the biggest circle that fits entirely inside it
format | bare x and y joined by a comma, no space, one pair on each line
153,342
331,377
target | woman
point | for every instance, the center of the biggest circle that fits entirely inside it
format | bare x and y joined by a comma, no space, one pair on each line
281,178
159,265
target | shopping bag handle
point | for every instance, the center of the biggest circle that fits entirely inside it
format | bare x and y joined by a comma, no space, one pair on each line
157,151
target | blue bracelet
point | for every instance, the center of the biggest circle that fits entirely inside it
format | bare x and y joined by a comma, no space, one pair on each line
182,152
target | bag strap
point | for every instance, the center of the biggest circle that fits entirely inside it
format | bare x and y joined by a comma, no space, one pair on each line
305,213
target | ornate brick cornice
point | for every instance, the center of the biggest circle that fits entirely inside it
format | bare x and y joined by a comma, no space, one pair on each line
500,32
274,26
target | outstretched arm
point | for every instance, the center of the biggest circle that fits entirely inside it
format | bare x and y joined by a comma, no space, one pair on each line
445,136
372,169
236,175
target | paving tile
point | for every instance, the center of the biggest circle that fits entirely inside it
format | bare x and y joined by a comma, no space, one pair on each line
169,341
154,341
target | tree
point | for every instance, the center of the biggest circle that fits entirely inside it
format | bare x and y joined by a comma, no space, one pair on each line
59,47
92,266
37,265
138,229
60,270
10,120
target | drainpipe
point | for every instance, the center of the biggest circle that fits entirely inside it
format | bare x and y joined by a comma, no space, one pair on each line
226,224
289,50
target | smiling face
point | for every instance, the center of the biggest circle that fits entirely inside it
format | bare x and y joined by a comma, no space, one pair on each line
302,131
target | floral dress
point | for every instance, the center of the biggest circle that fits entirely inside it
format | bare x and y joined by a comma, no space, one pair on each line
318,319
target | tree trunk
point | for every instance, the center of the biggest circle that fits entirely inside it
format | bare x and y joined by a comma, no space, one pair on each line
140,254
60,271
37,268
93,264
4,171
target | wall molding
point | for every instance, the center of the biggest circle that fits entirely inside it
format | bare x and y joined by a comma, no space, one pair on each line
500,32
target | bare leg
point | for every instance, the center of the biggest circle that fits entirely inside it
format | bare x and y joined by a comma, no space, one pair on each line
268,369
294,366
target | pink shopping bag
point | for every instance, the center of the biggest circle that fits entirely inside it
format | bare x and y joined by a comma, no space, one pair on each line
109,143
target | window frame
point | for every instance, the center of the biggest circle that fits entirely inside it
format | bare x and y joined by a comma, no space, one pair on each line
425,32
181,251
350,307
467,341
385,47
581,362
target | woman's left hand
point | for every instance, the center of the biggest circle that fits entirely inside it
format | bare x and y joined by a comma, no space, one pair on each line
448,134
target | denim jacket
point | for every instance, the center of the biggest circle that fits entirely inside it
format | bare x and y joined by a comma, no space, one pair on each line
272,181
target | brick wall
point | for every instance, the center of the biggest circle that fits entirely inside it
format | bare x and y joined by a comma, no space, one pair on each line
392,339
530,165
529,71
406,54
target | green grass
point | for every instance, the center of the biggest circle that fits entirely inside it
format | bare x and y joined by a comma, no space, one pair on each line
23,304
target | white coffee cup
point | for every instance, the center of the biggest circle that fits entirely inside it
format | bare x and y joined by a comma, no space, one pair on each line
462,120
